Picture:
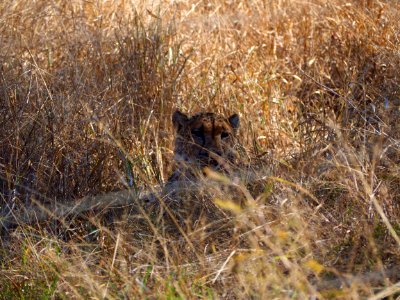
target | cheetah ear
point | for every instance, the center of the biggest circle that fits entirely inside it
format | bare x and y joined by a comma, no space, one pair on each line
179,119
234,121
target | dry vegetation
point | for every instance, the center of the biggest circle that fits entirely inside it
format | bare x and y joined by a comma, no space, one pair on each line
87,89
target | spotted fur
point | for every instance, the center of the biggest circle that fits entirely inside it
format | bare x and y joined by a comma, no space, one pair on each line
204,140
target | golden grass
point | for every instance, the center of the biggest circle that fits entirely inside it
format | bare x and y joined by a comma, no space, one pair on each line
87,90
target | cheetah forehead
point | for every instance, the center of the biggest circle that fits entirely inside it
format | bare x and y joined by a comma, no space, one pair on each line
210,119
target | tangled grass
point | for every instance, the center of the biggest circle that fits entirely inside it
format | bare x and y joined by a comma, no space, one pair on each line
87,91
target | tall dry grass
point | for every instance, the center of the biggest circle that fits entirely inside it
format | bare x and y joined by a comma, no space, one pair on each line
87,90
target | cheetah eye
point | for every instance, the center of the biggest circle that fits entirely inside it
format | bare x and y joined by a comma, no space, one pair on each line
198,132
224,135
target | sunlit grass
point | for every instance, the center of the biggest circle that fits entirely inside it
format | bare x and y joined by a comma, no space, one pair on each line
87,90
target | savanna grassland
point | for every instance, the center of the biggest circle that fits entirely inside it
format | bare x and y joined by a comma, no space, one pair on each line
87,90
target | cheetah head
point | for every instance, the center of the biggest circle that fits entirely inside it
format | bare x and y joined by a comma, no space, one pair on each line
205,139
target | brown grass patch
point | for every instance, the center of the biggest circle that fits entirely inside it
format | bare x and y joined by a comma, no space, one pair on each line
87,90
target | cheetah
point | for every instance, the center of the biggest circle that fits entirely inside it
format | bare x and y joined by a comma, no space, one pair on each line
204,140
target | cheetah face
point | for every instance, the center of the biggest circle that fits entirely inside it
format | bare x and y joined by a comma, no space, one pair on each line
205,139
